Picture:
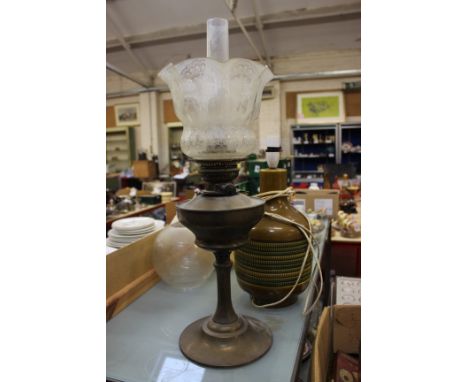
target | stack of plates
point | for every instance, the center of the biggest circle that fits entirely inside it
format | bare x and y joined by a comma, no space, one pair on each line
128,230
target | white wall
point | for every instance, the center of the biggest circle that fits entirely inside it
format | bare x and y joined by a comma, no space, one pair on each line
148,128
270,117
163,134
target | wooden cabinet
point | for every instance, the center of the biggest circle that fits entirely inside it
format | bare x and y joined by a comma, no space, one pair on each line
110,116
169,114
352,100
346,258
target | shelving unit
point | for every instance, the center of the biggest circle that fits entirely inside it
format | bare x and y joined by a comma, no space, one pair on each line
351,134
312,147
176,156
311,150
175,134
120,147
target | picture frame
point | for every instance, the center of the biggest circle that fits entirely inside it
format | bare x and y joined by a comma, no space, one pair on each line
127,114
320,108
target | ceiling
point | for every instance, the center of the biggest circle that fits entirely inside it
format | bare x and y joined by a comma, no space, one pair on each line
145,35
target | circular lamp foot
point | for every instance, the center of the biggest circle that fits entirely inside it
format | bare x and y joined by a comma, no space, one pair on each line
230,345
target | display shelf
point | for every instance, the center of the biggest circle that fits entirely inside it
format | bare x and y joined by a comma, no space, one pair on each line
313,147
117,152
121,158
323,152
309,172
176,156
350,134
306,180
313,127
313,144
112,139
312,157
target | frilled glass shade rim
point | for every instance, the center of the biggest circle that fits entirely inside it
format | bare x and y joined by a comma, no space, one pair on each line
238,60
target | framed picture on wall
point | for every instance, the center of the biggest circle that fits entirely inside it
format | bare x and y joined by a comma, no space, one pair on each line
320,107
127,114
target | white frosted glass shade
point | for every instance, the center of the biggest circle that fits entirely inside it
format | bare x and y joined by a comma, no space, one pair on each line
217,103
178,261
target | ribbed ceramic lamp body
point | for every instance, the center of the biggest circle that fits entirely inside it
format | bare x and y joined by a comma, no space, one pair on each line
268,266
217,103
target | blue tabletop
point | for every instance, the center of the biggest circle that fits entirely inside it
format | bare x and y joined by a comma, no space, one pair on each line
143,340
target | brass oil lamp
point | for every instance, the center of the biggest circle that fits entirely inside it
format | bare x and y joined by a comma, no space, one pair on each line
218,99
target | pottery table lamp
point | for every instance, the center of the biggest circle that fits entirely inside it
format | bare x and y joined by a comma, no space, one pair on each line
217,99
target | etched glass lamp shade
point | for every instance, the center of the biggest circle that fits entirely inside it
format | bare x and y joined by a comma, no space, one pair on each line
217,99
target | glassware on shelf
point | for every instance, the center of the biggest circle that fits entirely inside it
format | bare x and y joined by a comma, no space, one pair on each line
178,261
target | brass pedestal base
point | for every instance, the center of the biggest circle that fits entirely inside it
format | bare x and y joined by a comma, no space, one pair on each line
225,345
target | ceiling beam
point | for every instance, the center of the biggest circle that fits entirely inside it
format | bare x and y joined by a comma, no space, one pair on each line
259,25
121,73
232,9
282,77
283,19
137,60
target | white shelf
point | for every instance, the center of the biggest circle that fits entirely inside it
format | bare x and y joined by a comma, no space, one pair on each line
305,180
313,144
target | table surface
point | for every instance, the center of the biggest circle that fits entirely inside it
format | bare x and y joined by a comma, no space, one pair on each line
337,237
143,340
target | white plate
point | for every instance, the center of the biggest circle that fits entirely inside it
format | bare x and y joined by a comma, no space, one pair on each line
135,232
158,224
133,224
126,235
130,234
156,227
121,241
110,243
116,240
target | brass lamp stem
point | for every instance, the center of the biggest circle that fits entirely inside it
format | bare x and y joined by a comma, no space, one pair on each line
225,313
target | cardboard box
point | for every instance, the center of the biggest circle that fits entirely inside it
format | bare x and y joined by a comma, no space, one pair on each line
339,329
317,199
145,169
